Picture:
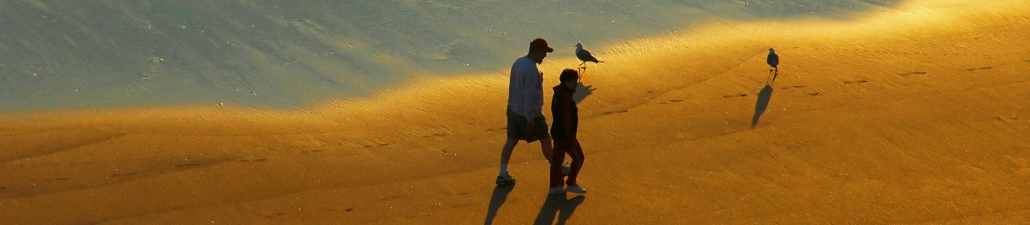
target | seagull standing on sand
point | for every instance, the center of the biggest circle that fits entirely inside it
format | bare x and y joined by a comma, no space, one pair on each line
773,60
584,55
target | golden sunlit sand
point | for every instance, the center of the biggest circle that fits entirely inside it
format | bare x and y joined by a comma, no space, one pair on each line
913,114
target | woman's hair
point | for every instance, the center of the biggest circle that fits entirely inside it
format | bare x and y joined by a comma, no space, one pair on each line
568,75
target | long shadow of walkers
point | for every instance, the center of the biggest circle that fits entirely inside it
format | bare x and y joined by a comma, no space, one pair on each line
496,200
558,204
582,92
763,100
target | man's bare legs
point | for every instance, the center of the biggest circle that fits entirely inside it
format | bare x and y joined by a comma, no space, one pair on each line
506,152
545,147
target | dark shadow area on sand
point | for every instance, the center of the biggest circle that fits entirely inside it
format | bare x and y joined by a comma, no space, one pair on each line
560,205
763,99
496,200
582,92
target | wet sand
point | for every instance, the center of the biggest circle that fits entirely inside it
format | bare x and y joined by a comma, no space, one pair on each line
72,54
914,114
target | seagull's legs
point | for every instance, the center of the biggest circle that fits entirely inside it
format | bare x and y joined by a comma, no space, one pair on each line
769,79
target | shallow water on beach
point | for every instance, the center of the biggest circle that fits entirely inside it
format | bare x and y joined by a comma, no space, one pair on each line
57,55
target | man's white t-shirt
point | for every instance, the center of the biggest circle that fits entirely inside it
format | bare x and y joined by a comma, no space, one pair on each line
525,89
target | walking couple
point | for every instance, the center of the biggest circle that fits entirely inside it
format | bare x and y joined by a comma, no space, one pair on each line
526,120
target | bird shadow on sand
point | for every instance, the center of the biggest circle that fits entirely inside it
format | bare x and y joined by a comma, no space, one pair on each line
582,91
763,98
558,205
496,200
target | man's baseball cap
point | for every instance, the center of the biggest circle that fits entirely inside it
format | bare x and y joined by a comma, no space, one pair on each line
540,44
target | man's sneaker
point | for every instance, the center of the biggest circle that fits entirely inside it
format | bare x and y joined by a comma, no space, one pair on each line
505,180
556,191
565,170
576,188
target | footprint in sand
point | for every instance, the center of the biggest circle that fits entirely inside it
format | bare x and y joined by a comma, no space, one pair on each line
350,209
381,144
60,179
276,214
856,82
912,73
3,187
313,151
437,135
252,160
614,112
670,101
815,93
986,68
736,95
124,174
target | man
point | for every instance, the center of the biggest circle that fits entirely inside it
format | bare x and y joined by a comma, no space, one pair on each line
525,106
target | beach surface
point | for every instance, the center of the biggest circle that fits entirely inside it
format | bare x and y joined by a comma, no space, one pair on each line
910,114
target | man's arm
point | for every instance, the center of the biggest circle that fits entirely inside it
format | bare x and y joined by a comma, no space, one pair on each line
533,95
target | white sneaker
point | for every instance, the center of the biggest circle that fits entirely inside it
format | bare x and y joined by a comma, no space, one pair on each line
557,191
576,189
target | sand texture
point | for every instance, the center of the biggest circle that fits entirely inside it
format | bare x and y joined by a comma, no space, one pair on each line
914,114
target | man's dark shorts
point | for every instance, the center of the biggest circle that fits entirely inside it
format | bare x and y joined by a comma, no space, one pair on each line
517,128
